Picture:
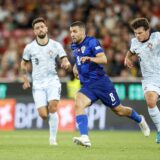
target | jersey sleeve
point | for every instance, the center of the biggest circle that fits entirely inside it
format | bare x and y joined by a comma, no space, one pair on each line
26,54
132,46
95,46
60,50
158,36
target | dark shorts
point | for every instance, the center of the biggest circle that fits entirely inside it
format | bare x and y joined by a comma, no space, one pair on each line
103,90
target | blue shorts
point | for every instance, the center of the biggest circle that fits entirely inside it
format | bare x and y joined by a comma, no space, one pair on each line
103,90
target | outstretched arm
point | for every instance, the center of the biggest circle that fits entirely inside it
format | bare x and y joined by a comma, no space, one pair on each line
128,60
99,59
75,72
24,71
65,64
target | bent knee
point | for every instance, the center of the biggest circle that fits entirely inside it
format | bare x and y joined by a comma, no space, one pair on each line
82,101
151,103
43,115
80,104
53,109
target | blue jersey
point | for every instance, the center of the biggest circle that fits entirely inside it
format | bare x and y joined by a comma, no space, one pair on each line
95,84
88,71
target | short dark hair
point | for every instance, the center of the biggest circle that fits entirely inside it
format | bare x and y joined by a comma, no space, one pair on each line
79,24
140,22
37,20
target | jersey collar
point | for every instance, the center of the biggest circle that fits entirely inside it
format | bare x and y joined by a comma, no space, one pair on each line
42,44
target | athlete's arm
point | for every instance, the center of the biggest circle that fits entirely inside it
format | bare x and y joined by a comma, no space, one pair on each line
75,72
24,71
65,64
99,59
128,59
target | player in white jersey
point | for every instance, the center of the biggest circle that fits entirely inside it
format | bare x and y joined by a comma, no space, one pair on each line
146,45
46,89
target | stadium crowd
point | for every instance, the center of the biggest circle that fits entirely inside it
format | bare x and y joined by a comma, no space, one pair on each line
107,20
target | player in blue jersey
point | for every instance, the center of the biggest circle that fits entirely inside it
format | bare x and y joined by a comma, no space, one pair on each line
146,45
89,57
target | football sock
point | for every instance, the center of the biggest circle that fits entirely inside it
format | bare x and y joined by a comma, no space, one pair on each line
155,116
135,116
53,125
82,121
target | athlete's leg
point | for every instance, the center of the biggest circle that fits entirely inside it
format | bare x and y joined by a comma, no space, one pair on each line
40,100
127,112
151,100
53,121
53,96
81,102
132,114
43,112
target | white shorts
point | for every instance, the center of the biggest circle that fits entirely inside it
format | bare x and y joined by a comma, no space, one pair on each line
42,95
150,87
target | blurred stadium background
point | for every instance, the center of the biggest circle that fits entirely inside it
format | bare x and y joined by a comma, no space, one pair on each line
108,20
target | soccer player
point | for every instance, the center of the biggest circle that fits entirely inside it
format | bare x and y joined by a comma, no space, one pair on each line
89,57
146,45
42,53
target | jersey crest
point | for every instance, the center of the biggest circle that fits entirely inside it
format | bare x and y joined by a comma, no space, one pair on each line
83,49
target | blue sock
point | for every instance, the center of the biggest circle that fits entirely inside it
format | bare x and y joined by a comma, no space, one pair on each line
135,116
82,121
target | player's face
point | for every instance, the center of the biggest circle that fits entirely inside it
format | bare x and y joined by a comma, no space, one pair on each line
40,30
77,34
141,34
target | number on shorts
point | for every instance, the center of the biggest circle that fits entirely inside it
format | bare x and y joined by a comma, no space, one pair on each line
112,97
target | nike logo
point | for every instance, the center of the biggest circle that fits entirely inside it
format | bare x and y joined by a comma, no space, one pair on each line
113,103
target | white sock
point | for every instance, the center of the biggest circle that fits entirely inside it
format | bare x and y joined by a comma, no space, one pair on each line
53,125
155,116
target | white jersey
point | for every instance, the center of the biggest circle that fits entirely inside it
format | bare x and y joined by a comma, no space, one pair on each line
43,59
149,56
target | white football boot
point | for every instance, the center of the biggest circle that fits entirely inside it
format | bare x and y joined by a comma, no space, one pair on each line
144,127
83,141
52,142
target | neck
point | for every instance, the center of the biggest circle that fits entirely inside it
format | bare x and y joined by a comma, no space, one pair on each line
42,41
147,37
82,39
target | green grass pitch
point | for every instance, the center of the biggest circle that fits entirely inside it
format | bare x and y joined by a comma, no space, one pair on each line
106,145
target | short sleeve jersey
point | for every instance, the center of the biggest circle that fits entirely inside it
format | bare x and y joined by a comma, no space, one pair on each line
149,56
43,58
88,71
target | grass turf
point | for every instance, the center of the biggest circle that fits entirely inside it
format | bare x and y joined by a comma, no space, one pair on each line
106,145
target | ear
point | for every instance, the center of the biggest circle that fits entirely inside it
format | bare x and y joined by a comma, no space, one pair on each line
34,31
83,31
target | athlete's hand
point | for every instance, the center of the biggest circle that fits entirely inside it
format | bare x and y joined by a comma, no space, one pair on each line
65,64
26,84
128,62
75,72
76,75
85,59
